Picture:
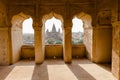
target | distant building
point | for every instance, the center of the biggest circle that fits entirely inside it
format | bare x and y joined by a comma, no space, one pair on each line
53,35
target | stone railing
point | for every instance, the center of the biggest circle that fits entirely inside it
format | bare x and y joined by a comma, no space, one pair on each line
53,51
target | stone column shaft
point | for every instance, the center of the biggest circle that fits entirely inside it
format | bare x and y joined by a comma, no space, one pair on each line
67,46
116,50
39,55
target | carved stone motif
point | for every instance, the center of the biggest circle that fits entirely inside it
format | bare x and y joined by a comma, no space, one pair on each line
104,17
43,10
2,20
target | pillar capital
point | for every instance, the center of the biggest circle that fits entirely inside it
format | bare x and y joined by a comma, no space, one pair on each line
67,28
117,23
38,28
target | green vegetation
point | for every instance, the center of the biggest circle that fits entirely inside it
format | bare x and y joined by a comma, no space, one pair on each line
51,41
58,42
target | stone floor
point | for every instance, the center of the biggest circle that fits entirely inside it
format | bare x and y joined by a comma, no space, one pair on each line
80,69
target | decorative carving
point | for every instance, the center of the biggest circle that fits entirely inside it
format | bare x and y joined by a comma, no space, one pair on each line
86,18
50,15
2,19
51,8
104,17
17,20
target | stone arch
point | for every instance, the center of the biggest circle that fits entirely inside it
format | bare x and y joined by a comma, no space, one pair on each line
16,30
18,19
88,32
44,19
50,15
86,18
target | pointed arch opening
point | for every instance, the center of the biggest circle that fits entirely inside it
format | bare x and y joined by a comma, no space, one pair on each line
52,35
82,36
77,31
28,32
53,31
17,36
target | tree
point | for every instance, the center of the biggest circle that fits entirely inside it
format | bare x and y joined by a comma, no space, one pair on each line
80,41
51,41
58,42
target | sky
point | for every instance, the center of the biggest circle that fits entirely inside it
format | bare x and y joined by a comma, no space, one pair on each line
77,25
27,26
49,23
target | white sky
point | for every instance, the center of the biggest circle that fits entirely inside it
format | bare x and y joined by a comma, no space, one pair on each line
27,26
77,25
49,24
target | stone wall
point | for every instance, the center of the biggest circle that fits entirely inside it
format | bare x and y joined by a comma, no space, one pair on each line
16,37
3,14
4,47
51,51
4,36
78,51
27,52
103,44
102,32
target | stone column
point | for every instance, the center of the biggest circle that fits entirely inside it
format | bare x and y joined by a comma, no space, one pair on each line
5,46
67,45
116,50
39,55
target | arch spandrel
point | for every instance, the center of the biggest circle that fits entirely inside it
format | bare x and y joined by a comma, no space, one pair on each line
86,18
18,19
16,9
49,16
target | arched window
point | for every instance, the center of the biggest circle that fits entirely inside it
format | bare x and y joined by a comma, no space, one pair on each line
53,31
77,31
28,32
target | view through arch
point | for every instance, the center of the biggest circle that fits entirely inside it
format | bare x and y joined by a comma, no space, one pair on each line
28,32
53,31
77,31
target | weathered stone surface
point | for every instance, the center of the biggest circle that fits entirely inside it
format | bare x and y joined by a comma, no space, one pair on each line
103,44
4,47
116,50
16,44
88,41
27,52
67,45
3,15
39,54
